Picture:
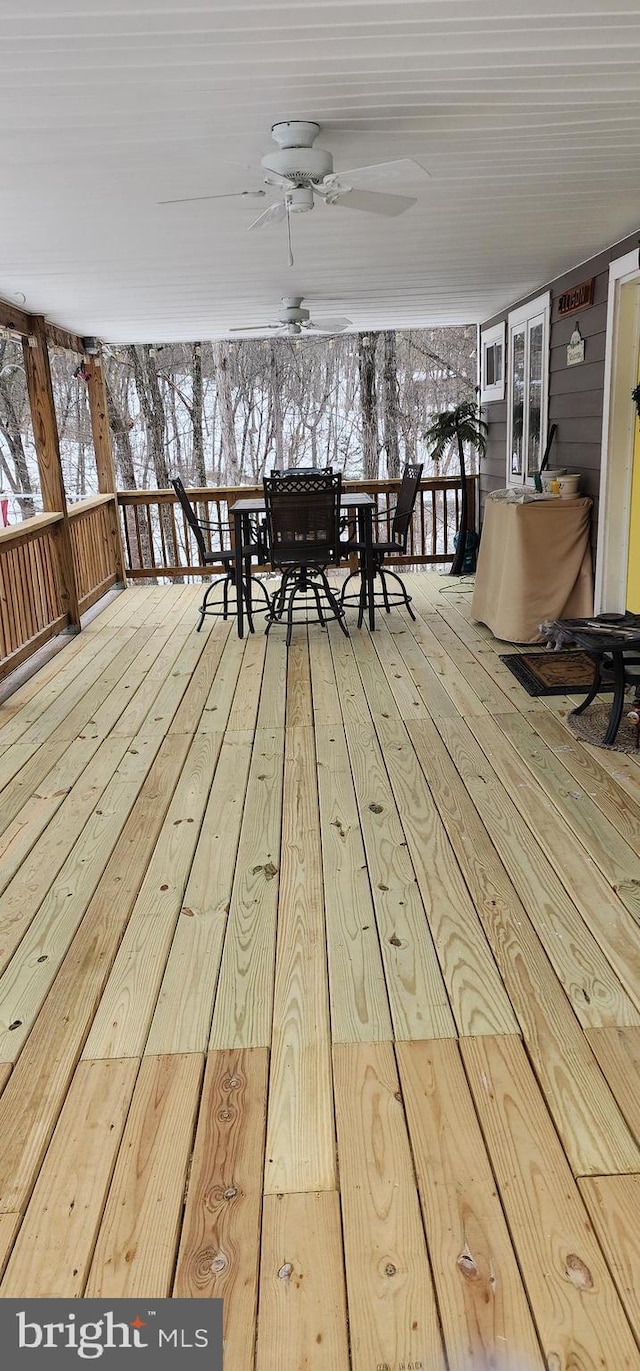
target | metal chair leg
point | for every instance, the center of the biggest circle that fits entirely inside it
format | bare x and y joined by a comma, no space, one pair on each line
405,596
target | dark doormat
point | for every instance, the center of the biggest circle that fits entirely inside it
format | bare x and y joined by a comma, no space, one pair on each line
553,673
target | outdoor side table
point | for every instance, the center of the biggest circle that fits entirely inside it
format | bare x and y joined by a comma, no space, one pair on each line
619,645
534,563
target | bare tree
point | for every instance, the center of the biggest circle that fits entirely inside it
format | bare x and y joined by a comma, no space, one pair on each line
390,415
368,404
152,406
199,473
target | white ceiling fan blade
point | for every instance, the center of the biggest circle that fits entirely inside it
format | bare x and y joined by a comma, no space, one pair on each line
273,215
226,195
254,328
328,325
402,169
372,202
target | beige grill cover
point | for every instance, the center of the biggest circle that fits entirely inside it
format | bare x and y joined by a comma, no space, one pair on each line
534,563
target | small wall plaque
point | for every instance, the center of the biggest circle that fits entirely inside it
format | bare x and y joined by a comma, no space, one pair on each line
575,348
578,297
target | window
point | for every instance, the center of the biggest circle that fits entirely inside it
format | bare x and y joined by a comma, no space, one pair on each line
492,372
528,366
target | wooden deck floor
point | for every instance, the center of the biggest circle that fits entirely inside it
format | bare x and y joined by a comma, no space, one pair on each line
320,992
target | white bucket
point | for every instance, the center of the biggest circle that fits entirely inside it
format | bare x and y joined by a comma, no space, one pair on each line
569,485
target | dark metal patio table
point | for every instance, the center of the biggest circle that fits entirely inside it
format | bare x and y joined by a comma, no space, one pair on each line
613,642
357,501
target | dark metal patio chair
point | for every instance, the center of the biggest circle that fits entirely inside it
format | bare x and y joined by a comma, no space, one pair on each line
395,545
212,553
303,535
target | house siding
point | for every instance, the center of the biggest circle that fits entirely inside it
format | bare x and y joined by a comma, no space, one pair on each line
576,394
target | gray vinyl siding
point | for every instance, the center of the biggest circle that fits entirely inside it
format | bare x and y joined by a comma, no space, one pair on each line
576,394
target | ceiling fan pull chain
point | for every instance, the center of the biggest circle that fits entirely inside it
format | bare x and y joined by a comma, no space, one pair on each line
289,241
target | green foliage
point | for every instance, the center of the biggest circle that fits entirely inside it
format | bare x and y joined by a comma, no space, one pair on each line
461,425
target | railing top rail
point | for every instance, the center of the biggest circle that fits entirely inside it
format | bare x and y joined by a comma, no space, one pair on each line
230,493
85,506
29,529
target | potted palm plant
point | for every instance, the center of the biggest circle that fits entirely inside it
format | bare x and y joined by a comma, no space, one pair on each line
464,427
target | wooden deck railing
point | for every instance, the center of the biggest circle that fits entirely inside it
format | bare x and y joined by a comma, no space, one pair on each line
159,543
93,525
33,603
31,608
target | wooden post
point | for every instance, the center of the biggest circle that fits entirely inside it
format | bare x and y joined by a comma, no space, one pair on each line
45,433
104,454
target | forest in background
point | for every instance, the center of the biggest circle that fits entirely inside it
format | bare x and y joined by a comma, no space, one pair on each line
222,412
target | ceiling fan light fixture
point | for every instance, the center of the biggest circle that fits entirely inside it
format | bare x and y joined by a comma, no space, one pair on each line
300,199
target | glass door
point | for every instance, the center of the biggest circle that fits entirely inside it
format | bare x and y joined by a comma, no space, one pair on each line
527,391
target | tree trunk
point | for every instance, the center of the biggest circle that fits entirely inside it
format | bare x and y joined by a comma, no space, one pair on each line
390,416
367,343
276,410
120,424
152,406
199,473
227,416
460,552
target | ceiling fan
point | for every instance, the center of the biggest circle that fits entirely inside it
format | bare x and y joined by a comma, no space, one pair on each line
305,174
294,320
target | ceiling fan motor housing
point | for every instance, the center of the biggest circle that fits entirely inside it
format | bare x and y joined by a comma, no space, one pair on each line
302,166
292,313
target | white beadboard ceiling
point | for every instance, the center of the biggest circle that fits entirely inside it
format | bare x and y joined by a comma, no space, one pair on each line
526,113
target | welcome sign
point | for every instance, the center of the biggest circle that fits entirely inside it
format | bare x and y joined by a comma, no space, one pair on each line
170,1335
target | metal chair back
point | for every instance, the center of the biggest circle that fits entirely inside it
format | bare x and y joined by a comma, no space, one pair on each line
407,495
303,518
302,472
191,517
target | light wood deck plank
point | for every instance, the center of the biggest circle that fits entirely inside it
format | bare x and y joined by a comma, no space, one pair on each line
182,1016
79,671
299,712
35,1092
53,851
302,1317
577,1311
618,1052
619,862
613,1203
33,817
273,694
243,1006
121,1024
54,1248
359,1008
484,1310
27,978
417,994
136,1244
476,992
393,1317
9,1228
583,1107
605,920
300,1127
219,1246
